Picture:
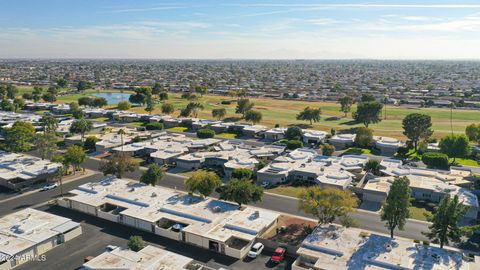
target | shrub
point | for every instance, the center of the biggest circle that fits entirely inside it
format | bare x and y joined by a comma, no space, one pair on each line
242,173
328,149
154,126
89,143
426,243
205,133
123,105
294,144
435,160
135,243
226,102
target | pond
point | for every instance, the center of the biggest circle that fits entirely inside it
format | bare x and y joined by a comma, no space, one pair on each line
113,97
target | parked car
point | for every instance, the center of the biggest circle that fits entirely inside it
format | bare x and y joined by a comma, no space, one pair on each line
256,250
49,186
110,248
265,184
279,255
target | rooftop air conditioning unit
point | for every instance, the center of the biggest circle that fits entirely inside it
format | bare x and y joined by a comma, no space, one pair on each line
217,209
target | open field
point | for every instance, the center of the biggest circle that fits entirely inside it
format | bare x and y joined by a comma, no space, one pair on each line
283,112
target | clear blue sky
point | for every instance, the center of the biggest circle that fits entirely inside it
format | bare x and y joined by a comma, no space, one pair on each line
404,29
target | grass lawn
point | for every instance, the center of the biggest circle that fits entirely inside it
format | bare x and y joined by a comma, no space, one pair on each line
227,135
357,151
139,124
286,191
283,112
41,111
466,162
178,129
418,213
101,119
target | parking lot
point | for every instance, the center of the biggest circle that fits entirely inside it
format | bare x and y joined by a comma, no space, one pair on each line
98,233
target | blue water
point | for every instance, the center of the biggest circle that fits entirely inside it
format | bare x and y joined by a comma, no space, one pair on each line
113,97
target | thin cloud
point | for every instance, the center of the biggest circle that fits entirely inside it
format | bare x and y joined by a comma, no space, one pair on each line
442,6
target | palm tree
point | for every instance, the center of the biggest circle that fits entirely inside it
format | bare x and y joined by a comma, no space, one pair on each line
121,132
59,176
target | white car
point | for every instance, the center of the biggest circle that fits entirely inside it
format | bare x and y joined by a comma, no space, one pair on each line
49,186
256,250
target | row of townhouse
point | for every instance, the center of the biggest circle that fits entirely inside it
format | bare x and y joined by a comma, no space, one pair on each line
18,171
426,185
28,234
205,222
305,164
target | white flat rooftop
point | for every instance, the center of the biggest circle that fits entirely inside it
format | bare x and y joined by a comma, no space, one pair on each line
148,258
28,227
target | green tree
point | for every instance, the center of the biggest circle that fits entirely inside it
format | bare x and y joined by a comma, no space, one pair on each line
99,102
7,106
326,204
242,173
149,101
368,113
118,165
192,109
81,126
241,191
372,166
203,182
455,146
364,137
202,90
445,221
49,97
473,132
140,95
395,209
12,91
123,105
368,98
153,175
310,114
167,108
62,83
83,85
219,113
243,106
163,96
417,127
346,103
75,156
76,111
18,104
135,243
46,144
157,88
49,124
253,116
89,143
37,93
19,136
328,149
293,133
